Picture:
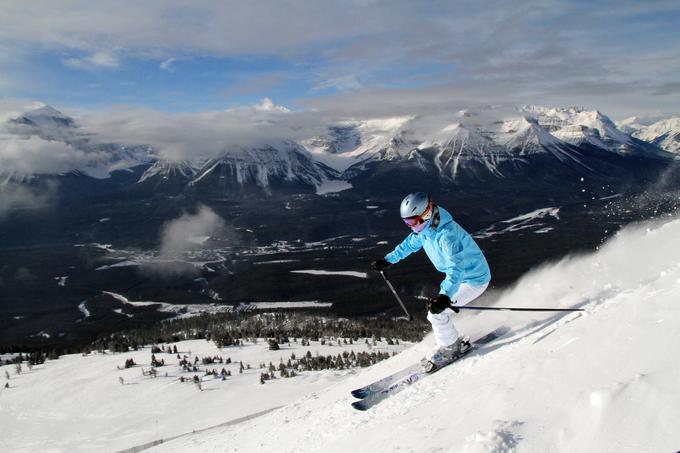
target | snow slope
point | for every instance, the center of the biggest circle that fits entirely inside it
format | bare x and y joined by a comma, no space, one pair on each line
604,380
77,403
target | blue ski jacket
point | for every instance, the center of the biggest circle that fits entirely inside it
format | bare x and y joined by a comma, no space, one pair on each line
451,250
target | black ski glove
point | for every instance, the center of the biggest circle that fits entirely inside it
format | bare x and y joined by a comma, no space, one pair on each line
439,303
380,265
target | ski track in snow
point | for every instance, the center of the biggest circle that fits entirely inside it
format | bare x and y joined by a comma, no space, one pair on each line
579,381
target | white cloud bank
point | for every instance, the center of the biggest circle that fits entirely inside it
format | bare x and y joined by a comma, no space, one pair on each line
204,134
31,155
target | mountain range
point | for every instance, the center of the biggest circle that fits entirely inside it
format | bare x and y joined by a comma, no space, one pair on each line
663,132
486,145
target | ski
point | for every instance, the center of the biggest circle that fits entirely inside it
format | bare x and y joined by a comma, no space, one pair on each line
380,384
400,384
379,390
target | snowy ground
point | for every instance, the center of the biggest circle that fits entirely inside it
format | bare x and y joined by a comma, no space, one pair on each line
77,403
603,380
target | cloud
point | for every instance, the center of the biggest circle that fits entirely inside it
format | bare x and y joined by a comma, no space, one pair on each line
342,83
204,28
180,236
189,136
267,105
189,232
527,47
165,64
34,155
96,60
16,196
13,108
667,89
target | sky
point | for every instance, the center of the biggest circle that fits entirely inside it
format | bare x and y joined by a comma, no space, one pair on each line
353,58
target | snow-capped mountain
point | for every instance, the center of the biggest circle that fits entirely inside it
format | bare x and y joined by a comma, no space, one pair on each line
489,138
352,142
634,123
166,169
46,119
467,146
44,141
663,133
577,126
489,147
267,167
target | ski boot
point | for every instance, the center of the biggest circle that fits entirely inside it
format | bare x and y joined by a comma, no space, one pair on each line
444,355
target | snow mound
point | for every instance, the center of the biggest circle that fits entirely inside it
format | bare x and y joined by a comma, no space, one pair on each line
598,380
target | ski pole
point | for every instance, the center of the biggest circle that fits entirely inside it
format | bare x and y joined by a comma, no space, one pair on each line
463,307
387,280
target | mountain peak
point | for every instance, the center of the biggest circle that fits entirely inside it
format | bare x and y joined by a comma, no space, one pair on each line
577,125
44,110
664,133
45,116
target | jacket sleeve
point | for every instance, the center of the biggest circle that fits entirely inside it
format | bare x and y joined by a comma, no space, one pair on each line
452,250
411,244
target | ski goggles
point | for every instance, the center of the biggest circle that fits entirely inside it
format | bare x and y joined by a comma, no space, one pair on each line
415,221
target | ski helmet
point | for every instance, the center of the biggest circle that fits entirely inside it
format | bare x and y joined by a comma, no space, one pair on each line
416,211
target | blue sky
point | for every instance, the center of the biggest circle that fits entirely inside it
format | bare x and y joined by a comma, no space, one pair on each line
189,83
354,57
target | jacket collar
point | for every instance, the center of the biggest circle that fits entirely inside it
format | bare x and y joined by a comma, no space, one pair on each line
435,218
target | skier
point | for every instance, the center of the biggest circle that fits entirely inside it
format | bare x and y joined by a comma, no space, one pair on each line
452,251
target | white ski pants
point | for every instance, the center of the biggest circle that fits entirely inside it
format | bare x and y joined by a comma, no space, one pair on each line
445,332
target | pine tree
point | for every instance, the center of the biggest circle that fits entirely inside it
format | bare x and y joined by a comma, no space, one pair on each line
273,345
